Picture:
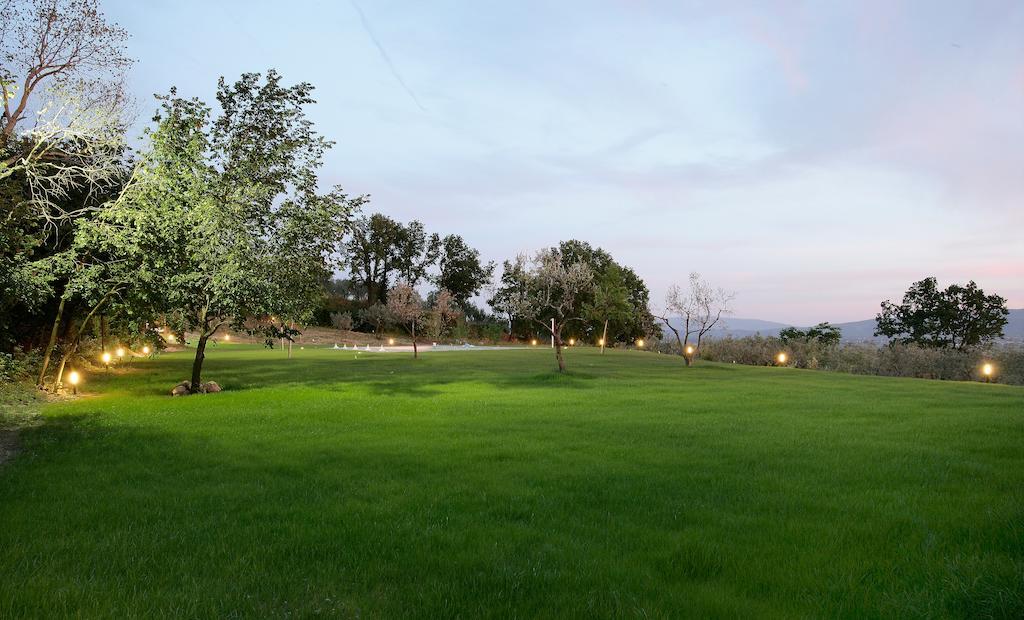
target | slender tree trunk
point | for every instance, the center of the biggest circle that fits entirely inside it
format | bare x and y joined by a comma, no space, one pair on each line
104,331
557,334
197,363
415,351
686,356
291,326
52,342
604,336
73,347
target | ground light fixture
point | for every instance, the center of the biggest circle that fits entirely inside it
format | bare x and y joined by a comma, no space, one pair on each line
534,342
73,379
689,349
391,342
600,342
640,343
120,352
572,342
106,358
781,358
227,337
987,370
145,350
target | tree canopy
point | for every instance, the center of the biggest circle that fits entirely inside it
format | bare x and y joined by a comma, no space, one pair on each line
957,317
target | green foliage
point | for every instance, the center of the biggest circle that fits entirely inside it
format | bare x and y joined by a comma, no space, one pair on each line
381,250
823,333
461,272
959,317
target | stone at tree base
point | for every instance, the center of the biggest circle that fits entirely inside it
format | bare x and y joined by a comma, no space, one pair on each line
211,387
179,390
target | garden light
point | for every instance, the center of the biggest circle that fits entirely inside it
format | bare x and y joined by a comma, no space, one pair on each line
145,350
73,379
640,343
120,351
572,342
988,370
106,358
781,358
601,341
689,349
534,342
170,337
227,337
391,342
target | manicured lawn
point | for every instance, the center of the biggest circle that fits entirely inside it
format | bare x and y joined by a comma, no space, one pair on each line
483,484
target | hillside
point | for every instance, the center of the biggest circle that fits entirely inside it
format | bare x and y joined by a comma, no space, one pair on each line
853,331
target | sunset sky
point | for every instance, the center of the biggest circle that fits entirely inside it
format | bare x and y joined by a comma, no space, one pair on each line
815,158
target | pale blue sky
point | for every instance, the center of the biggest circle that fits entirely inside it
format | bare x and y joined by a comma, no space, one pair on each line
815,157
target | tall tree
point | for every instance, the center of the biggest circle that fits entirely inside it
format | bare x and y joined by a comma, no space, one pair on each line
549,293
461,272
381,248
233,201
959,317
609,303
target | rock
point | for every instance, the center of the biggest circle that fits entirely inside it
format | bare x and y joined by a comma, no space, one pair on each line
179,390
211,387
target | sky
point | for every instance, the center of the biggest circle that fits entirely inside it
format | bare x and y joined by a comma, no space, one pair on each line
813,157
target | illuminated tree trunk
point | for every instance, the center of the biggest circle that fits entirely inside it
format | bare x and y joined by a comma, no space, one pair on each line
604,336
197,363
557,333
52,342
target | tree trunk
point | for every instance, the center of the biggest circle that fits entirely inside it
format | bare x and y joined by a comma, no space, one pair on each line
686,356
292,326
557,334
415,351
52,342
73,347
104,332
197,363
604,336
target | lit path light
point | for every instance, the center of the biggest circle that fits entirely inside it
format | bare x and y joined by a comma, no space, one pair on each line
145,350
120,352
73,379
781,358
534,342
640,343
987,370
572,342
106,358
600,342
227,337
391,342
689,349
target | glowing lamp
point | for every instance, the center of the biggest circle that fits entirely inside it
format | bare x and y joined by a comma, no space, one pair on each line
170,337
391,342
781,358
105,357
572,342
534,342
120,352
640,343
601,342
73,379
227,337
988,370
689,349
145,350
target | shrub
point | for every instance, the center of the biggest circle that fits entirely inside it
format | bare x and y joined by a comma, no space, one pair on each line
342,321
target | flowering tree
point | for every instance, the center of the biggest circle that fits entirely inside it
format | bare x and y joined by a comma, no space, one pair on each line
406,308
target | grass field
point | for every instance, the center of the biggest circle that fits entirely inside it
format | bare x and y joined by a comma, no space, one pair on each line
483,484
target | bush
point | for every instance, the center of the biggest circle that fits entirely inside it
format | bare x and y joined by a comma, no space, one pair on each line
18,364
342,321
893,360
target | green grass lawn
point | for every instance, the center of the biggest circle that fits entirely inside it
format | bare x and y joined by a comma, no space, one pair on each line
483,484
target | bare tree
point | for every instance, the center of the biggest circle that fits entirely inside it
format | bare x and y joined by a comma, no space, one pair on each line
68,43
407,309
700,308
549,293
62,65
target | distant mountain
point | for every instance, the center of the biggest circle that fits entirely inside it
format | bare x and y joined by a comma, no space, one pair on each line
854,331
